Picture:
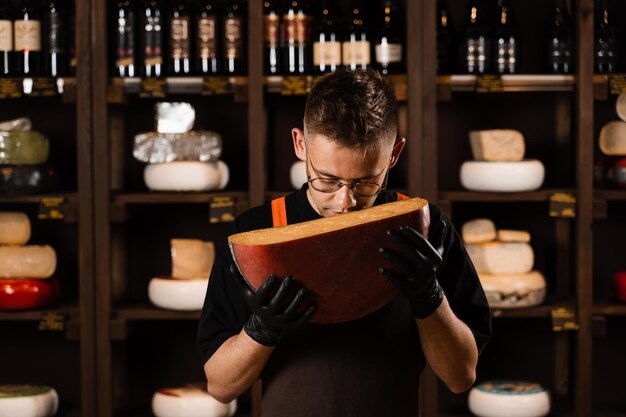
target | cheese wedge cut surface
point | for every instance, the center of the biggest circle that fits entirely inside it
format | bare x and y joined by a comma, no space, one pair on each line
336,258
497,145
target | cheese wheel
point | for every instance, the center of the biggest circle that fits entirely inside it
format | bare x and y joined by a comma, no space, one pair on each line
14,228
513,236
26,294
509,398
189,401
514,290
186,176
619,281
336,258
620,106
177,294
23,148
27,261
497,145
297,174
28,401
511,177
478,230
192,258
613,138
28,179
501,257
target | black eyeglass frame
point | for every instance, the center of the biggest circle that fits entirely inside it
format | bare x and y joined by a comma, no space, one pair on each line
352,185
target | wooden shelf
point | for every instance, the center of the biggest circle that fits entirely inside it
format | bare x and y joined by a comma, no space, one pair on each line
39,87
516,83
36,315
147,312
542,311
602,85
478,197
606,309
68,208
610,195
176,198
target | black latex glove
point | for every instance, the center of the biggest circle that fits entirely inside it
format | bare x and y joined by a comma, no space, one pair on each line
276,307
415,267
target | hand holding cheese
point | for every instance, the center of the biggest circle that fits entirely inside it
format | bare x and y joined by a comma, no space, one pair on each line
276,307
417,267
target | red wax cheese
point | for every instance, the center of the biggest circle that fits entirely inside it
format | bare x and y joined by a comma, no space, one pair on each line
336,257
24,294
620,285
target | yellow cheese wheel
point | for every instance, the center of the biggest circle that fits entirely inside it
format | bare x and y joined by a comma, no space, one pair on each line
27,261
14,228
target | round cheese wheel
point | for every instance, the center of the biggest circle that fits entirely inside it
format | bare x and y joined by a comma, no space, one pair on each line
28,179
620,106
177,294
14,228
186,176
613,138
478,230
514,290
297,174
28,401
619,279
190,401
23,148
501,257
26,294
27,261
511,177
509,398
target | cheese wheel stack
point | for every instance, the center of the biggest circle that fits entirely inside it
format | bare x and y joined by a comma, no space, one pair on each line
510,398
192,261
25,270
192,401
499,164
504,261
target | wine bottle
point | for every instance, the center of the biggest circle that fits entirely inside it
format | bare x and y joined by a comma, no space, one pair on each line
6,38
55,32
151,39
271,37
327,38
233,38
179,40
207,54
124,59
356,47
606,46
297,49
506,41
27,38
446,37
560,40
476,44
388,43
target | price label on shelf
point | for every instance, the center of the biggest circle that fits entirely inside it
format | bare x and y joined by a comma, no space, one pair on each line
617,84
564,319
52,321
216,86
51,208
489,84
10,88
153,88
44,87
562,205
295,86
222,209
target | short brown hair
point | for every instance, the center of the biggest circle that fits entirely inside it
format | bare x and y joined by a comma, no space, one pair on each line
357,109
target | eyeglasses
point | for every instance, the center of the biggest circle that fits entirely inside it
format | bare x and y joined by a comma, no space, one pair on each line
359,188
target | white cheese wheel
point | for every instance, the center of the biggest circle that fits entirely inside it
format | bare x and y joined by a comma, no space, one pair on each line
191,401
192,258
177,294
620,106
511,177
514,290
28,401
513,236
14,228
497,145
297,174
613,138
478,230
27,261
186,176
501,257
510,399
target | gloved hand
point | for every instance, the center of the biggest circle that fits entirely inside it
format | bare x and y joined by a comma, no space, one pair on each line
276,307
416,266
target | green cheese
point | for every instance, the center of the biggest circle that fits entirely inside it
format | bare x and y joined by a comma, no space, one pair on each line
23,148
14,391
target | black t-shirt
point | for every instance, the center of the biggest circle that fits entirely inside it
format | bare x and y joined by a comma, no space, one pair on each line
365,367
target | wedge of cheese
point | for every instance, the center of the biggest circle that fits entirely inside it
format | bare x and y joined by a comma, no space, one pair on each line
497,145
501,257
27,261
505,235
192,258
478,231
14,228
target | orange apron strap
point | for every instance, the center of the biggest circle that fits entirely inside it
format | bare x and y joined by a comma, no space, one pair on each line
402,197
279,212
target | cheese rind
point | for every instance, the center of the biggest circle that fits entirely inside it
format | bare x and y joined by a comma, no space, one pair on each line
527,175
478,230
497,145
514,290
612,139
14,228
27,261
501,257
192,258
505,235
499,398
191,401
177,294
186,176
30,401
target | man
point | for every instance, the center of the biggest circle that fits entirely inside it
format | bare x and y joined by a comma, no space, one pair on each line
366,367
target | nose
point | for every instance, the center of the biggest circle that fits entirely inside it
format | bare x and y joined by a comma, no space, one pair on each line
345,198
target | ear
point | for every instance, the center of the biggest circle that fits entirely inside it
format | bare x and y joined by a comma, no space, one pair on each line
298,143
398,146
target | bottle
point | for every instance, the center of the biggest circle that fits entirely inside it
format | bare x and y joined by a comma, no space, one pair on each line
151,39
388,44
207,54
560,40
179,40
233,38
506,47
327,38
6,38
445,39
356,42
476,44
271,37
55,32
27,38
606,47
297,50
124,60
